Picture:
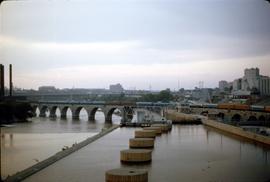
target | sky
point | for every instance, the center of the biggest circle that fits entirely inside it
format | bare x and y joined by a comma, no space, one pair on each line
141,44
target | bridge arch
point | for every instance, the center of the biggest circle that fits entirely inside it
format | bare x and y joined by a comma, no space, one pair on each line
63,111
221,116
43,111
252,118
262,118
236,118
76,112
92,113
109,113
53,111
34,110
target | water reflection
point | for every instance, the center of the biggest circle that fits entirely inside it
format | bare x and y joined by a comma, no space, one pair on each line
27,143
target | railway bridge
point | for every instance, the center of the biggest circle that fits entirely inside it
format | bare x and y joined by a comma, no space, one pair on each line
108,108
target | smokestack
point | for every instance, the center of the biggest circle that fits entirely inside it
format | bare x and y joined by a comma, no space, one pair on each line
2,81
10,80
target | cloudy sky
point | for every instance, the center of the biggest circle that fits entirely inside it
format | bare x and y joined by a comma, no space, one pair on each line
91,44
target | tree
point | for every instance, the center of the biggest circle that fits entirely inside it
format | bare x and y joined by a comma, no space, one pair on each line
165,96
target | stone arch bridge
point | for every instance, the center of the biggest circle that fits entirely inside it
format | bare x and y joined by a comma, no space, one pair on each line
126,109
232,116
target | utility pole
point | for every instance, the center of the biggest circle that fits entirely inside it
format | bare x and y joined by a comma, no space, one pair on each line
10,80
2,81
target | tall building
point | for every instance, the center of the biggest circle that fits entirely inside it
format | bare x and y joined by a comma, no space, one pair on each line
264,85
251,79
117,88
222,85
251,82
237,84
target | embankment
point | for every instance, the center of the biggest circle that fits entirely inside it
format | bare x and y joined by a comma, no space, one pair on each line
237,131
43,164
181,118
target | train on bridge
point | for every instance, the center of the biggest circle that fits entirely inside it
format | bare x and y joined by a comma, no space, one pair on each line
119,103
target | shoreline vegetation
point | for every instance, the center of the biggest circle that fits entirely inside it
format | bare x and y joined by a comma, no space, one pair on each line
14,112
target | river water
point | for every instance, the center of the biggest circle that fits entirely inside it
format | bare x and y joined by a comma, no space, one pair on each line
25,144
188,152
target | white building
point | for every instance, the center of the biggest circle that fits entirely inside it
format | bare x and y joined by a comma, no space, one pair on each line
251,79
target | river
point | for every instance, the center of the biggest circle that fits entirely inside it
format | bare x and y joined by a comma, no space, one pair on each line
188,152
25,144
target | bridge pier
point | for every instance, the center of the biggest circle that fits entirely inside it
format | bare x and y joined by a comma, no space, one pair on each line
43,115
63,112
52,115
34,111
43,111
108,119
75,117
63,116
91,118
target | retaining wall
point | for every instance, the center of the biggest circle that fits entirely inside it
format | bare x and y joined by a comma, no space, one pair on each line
237,131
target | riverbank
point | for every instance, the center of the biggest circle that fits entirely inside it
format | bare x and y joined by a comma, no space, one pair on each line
66,151
181,118
237,131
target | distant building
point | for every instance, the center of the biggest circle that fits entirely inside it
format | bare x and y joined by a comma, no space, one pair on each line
46,89
117,88
251,81
203,95
237,84
222,85
264,85
240,96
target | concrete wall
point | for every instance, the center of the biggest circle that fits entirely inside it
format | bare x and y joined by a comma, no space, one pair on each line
238,131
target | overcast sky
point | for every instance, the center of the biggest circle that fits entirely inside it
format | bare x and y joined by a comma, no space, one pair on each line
91,44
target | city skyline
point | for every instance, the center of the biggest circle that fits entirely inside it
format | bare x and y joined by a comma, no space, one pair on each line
141,44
